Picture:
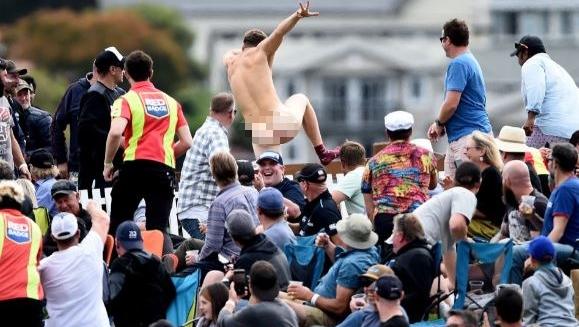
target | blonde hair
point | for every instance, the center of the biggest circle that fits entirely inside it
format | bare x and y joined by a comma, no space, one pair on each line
223,167
29,190
43,173
11,194
486,143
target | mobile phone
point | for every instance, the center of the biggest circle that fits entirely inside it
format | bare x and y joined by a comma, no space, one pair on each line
547,145
240,280
457,163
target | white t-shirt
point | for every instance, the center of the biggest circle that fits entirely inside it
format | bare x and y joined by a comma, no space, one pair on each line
350,185
435,214
73,284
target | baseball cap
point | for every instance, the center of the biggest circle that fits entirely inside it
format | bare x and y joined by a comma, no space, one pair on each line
377,271
389,287
11,68
271,155
542,249
2,63
530,42
129,235
62,187
271,200
398,120
312,172
41,158
109,57
64,226
22,84
240,224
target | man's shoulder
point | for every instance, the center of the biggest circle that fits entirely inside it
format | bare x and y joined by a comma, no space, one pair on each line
38,113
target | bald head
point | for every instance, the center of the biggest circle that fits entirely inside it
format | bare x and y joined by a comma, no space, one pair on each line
516,174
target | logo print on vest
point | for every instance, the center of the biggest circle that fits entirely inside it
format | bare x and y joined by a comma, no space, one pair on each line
155,105
18,233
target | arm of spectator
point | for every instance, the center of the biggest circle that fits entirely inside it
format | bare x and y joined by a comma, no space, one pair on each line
185,141
458,226
559,225
433,178
449,105
338,197
449,260
114,139
215,231
18,157
326,242
369,202
57,128
534,87
100,220
295,227
293,210
338,306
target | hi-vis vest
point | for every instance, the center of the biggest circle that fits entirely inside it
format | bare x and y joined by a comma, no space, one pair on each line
20,241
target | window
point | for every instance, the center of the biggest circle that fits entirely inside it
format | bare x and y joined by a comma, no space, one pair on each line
373,95
291,88
335,99
511,21
416,87
566,23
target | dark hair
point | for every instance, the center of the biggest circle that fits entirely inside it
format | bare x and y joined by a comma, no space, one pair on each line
263,278
468,317
139,66
409,225
217,294
467,175
509,304
565,155
352,154
457,32
31,81
574,140
273,214
253,37
161,323
222,102
245,173
403,134
6,172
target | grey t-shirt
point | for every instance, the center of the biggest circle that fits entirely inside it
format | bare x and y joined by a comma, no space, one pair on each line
435,214
280,234
263,314
6,125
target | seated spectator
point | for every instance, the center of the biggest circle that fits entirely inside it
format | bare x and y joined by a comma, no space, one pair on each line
509,309
486,222
141,289
389,292
548,295
212,298
67,199
264,310
321,212
445,217
43,171
271,171
522,221
271,212
461,318
70,276
561,223
330,298
353,160
411,251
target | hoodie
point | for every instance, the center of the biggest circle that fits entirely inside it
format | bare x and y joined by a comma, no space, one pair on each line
548,299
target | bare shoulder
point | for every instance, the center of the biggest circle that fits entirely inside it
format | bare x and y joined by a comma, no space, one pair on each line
231,55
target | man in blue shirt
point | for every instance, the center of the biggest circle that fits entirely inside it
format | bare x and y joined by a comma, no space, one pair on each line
464,108
561,223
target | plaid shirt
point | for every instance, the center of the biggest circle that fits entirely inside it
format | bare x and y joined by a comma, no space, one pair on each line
197,186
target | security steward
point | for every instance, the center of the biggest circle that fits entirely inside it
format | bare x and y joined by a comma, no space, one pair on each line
149,120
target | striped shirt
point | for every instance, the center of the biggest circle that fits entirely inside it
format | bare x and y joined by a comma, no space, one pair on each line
197,186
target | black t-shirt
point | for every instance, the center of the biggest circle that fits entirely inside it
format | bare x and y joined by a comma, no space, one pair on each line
396,321
291,190
320,214
490,196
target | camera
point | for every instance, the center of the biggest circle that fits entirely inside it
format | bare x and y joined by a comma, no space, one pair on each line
240,280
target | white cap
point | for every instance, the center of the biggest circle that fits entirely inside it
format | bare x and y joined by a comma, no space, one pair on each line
64,225
398,120
116,52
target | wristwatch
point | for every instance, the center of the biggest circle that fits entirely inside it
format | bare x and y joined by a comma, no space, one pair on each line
439,123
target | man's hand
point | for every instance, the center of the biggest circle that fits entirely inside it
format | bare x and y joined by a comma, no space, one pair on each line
258,181
305,11
435,132
299,292
108,172
528,126
63,170
24,172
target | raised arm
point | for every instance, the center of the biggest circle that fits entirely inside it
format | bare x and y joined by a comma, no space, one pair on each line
272,43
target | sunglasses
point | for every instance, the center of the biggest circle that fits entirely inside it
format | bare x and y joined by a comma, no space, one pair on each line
442,38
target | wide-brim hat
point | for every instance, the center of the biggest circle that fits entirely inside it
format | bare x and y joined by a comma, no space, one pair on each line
512,139
356,232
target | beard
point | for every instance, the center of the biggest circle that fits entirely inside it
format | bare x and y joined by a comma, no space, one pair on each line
509,197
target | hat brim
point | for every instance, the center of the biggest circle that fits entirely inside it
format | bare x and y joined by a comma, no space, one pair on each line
20,72
390,239
512,147
18,89
62,192
359,245
267,158
367,275
514,53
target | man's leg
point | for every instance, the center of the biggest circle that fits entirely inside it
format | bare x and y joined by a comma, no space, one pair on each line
159,199
191,226
125,197
455,153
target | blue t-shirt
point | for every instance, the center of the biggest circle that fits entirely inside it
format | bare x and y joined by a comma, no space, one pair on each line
464,75
564,201
345,271
43,195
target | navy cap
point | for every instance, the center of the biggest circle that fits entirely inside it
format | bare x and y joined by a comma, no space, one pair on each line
271,200
271,155
389,287
11,68
62,187
530,42
313,172
129,236
41,158
542,249
109,57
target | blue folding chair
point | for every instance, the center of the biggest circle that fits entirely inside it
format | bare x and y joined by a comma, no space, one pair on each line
306,260
182,311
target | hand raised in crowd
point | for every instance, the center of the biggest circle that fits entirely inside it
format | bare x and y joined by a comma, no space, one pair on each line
299,292
322,240
305,11
258,181
24,172
447,182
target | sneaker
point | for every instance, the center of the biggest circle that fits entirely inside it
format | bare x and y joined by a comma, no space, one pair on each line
327,156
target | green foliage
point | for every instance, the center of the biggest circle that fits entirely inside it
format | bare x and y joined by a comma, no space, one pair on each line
49,89
195,102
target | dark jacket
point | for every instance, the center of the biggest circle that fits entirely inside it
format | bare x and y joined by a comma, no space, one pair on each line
261,248
141,289
84,225
67,114
35,125
414,265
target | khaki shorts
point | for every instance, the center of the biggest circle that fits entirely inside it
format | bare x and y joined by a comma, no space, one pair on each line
315,316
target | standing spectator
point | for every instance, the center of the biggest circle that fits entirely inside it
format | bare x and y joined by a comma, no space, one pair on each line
67,114
265,309
149,119
548,295
549,93
70,276
482,150
44,172
464,108
521,221
197,188
212,299
397,178
141,289
271,172
389,294
271,211
320,212
411,249
35,123
446,216
353,160
10,80
20,242
94,120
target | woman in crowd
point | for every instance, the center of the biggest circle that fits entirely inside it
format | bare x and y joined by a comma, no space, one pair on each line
482,150
212,298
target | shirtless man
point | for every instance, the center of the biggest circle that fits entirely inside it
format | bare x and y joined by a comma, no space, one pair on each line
271,121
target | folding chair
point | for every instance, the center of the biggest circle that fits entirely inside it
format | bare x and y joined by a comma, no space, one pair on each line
182,311
436,252
108,249
153,242
306,260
